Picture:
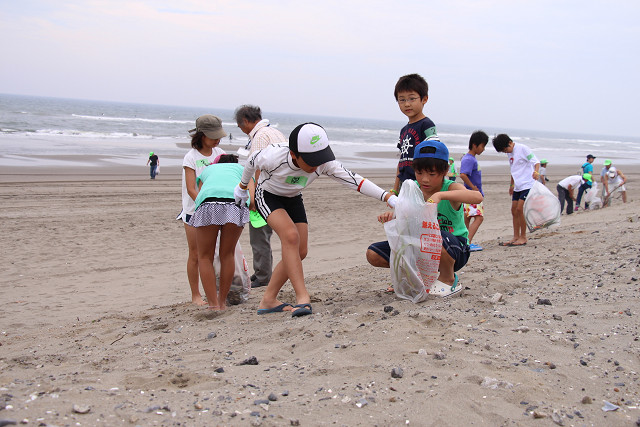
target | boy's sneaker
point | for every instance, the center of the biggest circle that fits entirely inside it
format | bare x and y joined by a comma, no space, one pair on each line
474,248
443,290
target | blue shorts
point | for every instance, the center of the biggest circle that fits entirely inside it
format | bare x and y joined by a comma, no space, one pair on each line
520,195
456,247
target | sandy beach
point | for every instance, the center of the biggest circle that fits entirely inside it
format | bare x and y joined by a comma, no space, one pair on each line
97,326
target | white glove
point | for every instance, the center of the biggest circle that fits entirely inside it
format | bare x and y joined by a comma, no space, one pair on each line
392,200
240,195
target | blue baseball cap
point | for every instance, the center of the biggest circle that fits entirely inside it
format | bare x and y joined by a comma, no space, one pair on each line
431,148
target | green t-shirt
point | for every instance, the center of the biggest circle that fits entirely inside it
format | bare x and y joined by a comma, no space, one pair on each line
451,220
218,180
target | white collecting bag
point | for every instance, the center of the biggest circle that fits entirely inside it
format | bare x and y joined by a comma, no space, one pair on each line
541,208
591,196
416,243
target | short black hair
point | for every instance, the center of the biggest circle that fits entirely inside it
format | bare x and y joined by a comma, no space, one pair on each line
478,138
412,83
250,112
500,142
430,164
228,158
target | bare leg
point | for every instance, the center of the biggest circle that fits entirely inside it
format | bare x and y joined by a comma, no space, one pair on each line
516,223
473,226
206,238
376,260
446,268
624,197
520,225
228,239
294,239
192,266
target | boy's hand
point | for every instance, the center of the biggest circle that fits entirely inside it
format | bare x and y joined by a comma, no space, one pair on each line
387,216
435,198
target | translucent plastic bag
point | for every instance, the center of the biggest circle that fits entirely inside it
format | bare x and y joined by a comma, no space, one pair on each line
591,197
241,283
541,208
416,243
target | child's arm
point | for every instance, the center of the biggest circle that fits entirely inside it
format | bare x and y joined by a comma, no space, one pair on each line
335,170
387,216
467,181
456,195
190,182
536,173
624,178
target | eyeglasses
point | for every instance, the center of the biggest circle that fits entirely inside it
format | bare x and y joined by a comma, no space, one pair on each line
410,100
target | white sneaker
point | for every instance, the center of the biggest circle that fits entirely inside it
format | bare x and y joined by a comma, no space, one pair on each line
442,290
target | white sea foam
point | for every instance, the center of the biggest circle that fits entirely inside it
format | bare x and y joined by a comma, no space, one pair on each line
58,126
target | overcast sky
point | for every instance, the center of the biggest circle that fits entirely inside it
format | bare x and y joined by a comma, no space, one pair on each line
545,65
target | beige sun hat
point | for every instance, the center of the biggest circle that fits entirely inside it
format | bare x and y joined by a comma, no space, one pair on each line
210,125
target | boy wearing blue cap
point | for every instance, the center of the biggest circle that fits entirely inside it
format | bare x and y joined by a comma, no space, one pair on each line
431,164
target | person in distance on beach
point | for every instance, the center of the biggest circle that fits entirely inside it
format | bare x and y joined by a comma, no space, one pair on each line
566,187
217,213
411,93
205,138
615,181
285,172
524,173
153,162
471,175
431,163
261,134
543,172
587,167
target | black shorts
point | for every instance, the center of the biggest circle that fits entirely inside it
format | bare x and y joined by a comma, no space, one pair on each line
267,202
456,247
520,195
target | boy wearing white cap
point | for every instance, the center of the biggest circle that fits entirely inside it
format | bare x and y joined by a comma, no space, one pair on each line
614,181
285,172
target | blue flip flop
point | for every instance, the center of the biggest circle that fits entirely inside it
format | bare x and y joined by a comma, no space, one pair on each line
474,248
302,310
455,282
276,309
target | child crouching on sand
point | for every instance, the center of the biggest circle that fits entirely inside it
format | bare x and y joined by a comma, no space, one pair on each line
284,172
431,164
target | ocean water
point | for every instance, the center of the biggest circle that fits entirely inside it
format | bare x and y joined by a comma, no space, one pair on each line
67,132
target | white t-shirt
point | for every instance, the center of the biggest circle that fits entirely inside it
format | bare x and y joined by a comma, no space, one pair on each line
574,181
278,174
522,162
543,172
196,161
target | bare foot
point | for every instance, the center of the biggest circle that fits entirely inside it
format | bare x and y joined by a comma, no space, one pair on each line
197,300
214,307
